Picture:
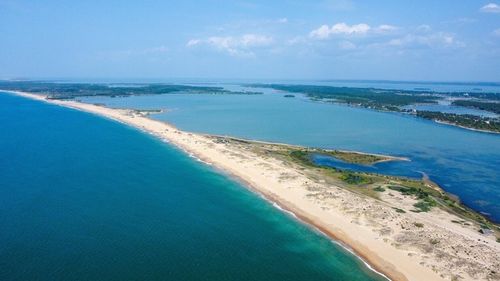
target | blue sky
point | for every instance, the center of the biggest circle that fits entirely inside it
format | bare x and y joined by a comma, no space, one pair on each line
340,39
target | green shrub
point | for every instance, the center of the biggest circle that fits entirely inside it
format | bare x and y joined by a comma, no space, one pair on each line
425,205
352,178
398,210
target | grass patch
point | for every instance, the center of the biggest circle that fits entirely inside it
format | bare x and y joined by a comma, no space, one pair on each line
355,157
302,156
418,224
398,210
425,205
355,179
427,195
418,192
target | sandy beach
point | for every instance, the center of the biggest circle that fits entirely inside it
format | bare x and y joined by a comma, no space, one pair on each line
402,246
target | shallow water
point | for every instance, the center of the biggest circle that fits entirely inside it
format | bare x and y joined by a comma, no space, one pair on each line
84,198
463,162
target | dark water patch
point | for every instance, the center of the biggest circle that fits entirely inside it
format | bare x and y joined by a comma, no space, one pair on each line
390,168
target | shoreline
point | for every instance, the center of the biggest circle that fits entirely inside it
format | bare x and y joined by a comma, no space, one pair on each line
463,127
388,158
314,226
393,264
368,259
412,114
309,223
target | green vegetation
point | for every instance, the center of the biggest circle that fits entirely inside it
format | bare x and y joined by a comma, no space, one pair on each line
424,195
303,156
475,95
355,157
355,178
148,111
427,193
378,99
346,156
418,224
425,205
465,120
398,210
379,189
75,90
418,192
482,105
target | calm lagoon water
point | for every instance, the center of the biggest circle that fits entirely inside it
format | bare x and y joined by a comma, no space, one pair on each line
463,162
84,198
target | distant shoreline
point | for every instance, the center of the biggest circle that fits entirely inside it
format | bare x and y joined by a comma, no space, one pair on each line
463,127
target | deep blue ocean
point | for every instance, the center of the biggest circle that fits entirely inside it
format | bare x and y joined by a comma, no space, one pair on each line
85,198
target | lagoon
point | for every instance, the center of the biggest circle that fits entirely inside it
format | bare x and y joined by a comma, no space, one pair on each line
463,162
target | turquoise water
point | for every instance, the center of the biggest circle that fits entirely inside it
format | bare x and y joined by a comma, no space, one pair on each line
84,198
463,162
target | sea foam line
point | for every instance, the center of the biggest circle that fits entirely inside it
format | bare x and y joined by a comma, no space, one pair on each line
319,231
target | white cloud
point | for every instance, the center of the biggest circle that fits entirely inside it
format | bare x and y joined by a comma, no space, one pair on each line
235,46
253,40
385,28
496,32
193,42
324,31
434,40
283,20
490,8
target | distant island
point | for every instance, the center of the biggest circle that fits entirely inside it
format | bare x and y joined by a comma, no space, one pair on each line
75,90
463,120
